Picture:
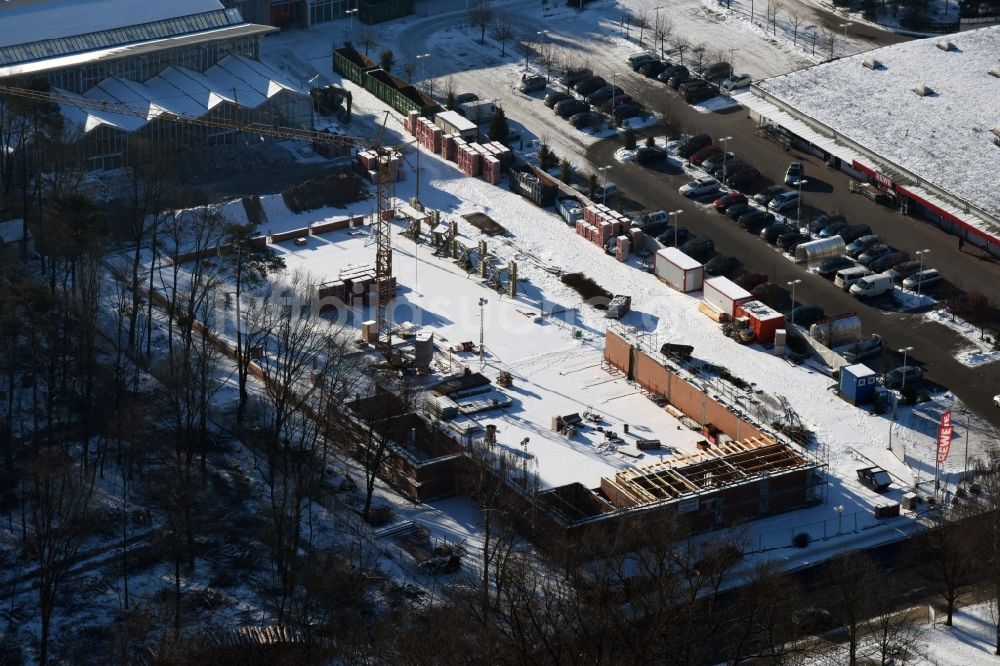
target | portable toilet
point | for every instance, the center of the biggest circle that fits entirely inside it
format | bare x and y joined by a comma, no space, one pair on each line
857,384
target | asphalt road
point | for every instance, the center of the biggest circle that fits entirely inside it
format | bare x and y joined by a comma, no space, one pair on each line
934,345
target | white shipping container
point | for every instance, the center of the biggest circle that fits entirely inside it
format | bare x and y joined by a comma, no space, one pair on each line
678,270
724,295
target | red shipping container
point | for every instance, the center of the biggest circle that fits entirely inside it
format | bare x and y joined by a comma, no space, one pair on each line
763,320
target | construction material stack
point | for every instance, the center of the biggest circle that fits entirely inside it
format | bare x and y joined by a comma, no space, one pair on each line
367,165
600,224
622,247
762,320
454,138
678,270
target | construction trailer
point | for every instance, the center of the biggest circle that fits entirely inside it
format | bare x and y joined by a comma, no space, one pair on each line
724,295
452,122
761,319
678,270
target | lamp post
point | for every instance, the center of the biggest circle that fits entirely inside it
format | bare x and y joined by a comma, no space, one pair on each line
902,386
920,253
420,60
482,304
798,214
725,157
544,34
604,186
840,517
965,474
845,26
614,79
350,30
675,213
656,27
792,284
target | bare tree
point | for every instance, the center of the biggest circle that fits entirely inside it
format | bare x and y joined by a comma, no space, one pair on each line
641,19
945,562
502,31
368,38
408,69
772,15
984,532
855,584
481,16
663,30
56,514
831,37
795,18
681,45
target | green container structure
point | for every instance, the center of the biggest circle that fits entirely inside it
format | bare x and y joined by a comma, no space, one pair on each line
395,92
370,12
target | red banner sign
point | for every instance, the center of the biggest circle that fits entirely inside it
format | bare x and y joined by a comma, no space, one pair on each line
944,437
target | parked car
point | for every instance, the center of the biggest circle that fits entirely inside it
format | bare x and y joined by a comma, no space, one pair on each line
830,267
738,210
650,155
721,264
771,233
905,269
806,315
703,154
854,232
887,261
817,223
873,252
904,374
680,78
713,162
584,119
698,247
626,111
996,400
693,145
617,101
784,201
724,169
788,242
794,173
692,84
571,107
925,278
699,187
605,191
465,98
764,196
735,81
574,75
846,277
719,70
698,95
589,85
752,216
652,69
636,59
754,223
750,280
859,245
669,235
554,98
671,72
864,350
741,176
532,82
603,94
833,229
729,199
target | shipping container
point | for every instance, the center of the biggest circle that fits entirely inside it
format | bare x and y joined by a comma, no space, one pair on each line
678,270
454,123
724,295
857,384
763,321
570,210
530,186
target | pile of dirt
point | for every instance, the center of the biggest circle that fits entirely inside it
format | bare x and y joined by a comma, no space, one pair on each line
485,223
592,292
334,190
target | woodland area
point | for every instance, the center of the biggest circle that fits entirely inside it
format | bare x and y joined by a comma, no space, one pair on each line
143,523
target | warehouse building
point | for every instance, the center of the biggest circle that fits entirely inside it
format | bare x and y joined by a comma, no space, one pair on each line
917,124
305,13
132,65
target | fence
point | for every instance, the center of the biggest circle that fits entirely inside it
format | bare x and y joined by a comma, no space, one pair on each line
821,530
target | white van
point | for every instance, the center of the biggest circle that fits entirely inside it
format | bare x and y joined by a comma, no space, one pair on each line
656,218
848,276
872,285
606,191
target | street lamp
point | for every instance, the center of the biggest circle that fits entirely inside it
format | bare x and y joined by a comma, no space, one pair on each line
656,27
904,351
725,159
420,60
350,29
798,215
604,187
792,284
614,78
482,304
920,253
840,517
675,213
544,35
845,26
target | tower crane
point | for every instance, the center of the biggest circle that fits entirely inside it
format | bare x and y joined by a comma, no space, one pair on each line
383,179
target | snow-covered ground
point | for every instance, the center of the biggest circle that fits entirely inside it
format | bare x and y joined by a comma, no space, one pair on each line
979,350
970,640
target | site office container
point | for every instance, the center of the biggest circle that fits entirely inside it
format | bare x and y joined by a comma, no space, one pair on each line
725,295
857,384
763,321
678,270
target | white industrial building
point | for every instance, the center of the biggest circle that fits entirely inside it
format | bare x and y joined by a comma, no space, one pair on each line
146,60
919,120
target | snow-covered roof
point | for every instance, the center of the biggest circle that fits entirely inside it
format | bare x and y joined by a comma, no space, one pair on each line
942,138
179,91
679,259
24,21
